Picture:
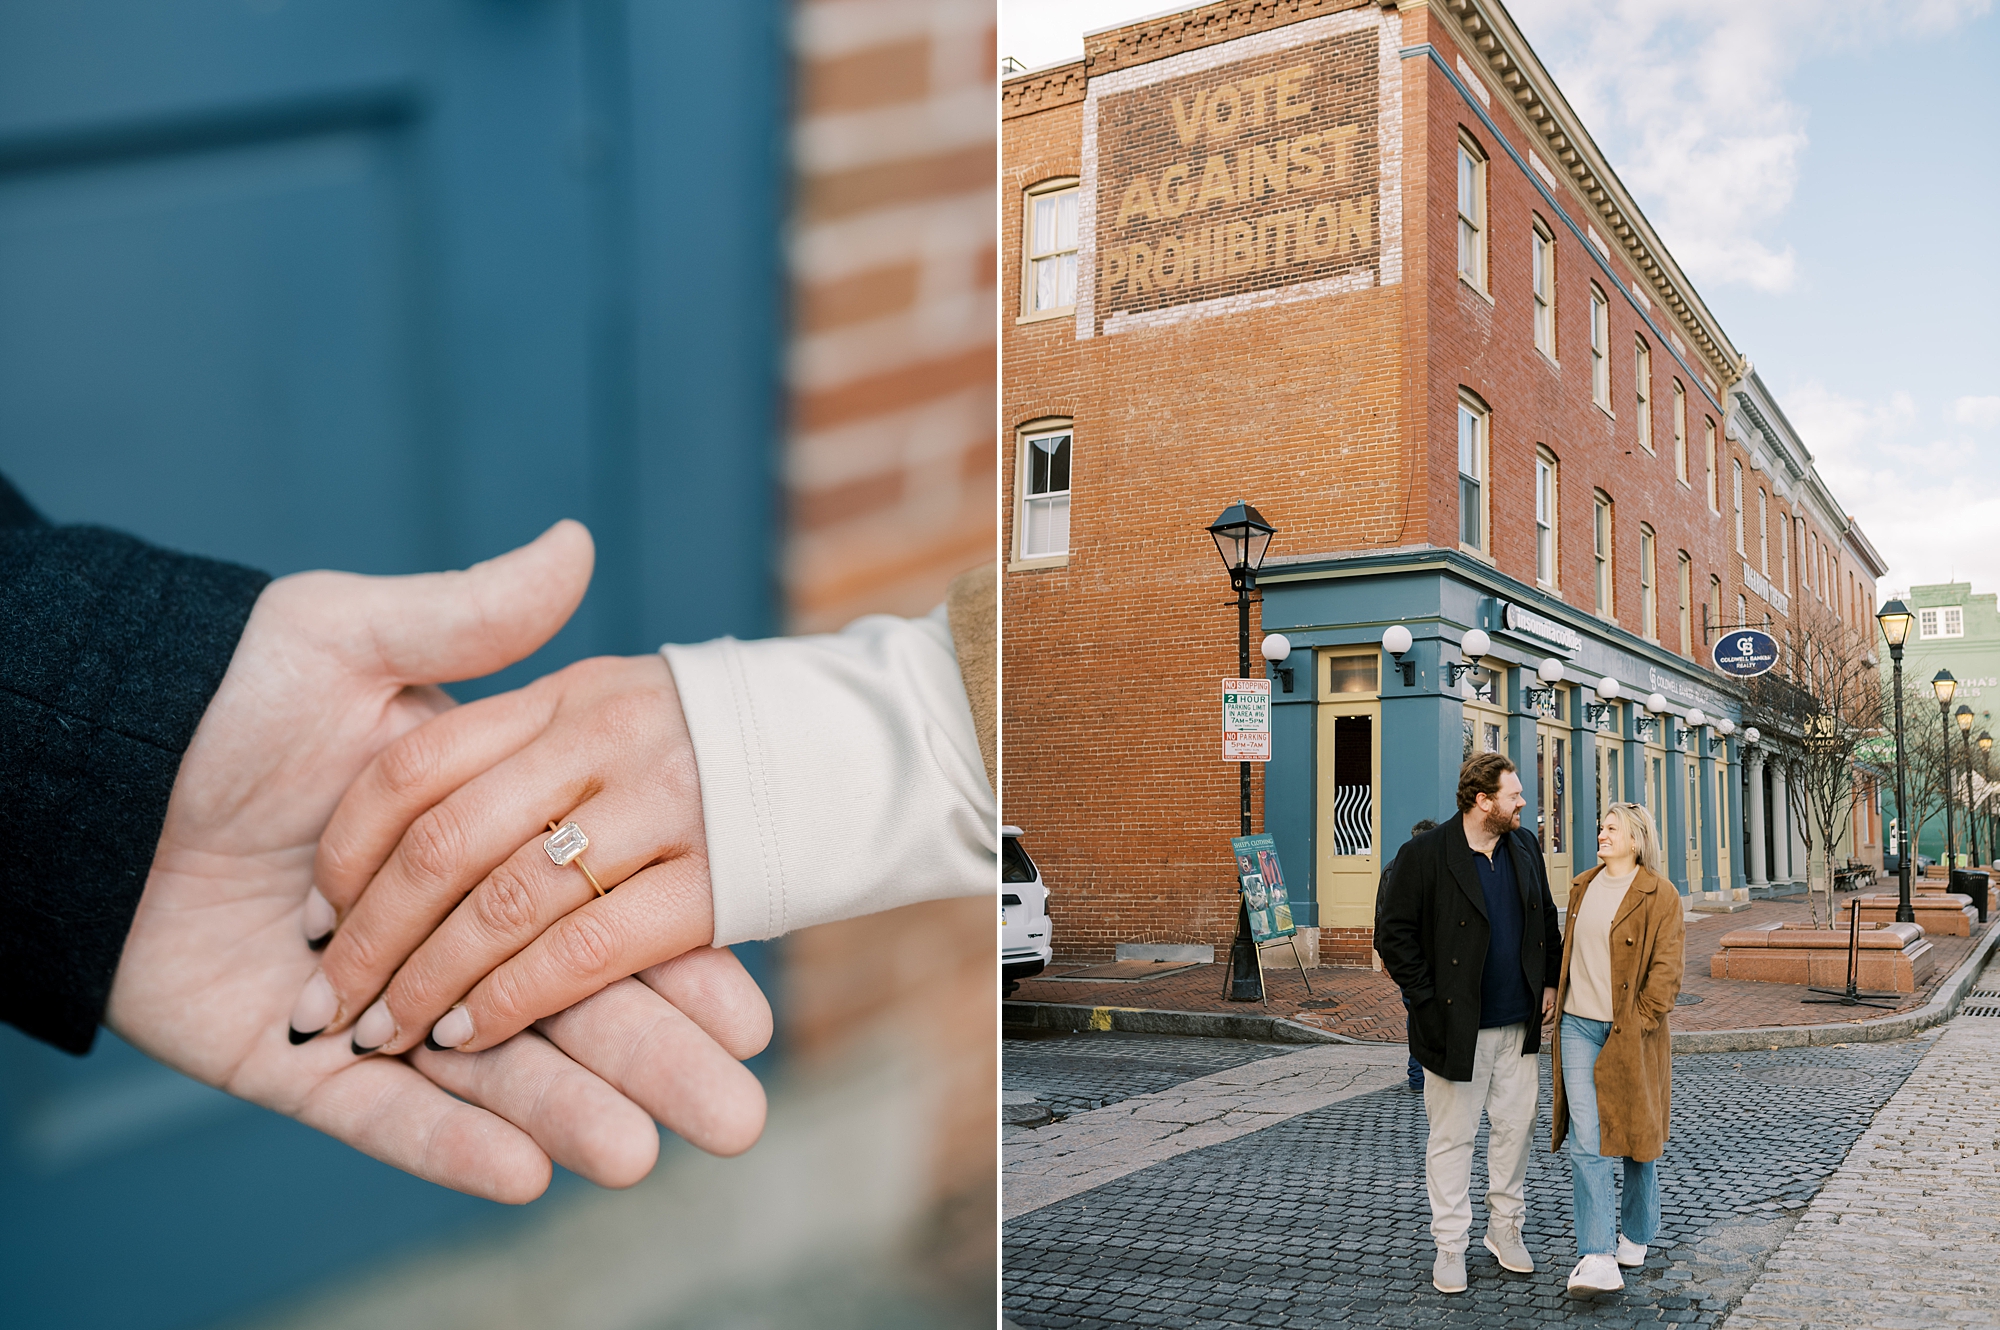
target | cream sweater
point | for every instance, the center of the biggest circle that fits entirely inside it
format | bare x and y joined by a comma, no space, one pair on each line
1590,955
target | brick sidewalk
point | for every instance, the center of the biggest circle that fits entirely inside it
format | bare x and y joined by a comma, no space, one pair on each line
1364,1004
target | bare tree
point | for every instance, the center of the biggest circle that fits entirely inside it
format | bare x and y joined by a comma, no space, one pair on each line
1826,697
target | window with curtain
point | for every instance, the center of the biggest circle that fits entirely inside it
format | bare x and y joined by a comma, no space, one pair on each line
1471,213
1050,285
1472,423
1642,392
1600,348
1545,290
1649,623
1545,518
1601,542
1045,494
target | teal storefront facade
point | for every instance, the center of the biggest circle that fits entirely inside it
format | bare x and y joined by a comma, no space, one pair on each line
1365,745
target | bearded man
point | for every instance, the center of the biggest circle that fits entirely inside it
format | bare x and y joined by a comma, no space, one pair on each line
1468,930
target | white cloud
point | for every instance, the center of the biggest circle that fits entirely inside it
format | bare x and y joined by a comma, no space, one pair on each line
1905,480
1687,99
1978,412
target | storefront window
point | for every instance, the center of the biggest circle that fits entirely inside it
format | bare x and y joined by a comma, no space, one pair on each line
1353,674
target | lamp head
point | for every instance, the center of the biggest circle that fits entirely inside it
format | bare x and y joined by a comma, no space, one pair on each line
1276,647
1964,717
1725,726
1985,742
1752,735
1895,619
1241,537
1696,718
1607,689
1944,685
1550,670
1396,640
1656,703
1475,644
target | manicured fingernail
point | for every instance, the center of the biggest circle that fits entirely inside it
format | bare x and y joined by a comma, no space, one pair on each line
319,920
452,1029
314,1010
375,1028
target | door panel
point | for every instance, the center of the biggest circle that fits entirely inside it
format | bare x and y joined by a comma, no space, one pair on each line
385,286
1350,816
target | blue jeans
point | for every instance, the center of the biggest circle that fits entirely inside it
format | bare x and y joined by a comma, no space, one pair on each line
1589,1171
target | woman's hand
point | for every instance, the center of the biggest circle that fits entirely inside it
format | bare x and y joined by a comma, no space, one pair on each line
456,927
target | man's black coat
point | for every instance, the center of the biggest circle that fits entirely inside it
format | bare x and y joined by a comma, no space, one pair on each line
1433,937
110,650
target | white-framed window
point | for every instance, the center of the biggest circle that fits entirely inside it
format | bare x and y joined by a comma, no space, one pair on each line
1048,284
1714,498
1736,499
1642,390
1471,213
1742,610
1680,433
1473,425
1944,621
1833,584
1600,348
1687,604
1714,601
1763,532
1601,552
1649,610
1545,517
1785,554
1545,290
1045,493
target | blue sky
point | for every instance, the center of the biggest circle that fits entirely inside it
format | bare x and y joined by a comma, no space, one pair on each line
1825,172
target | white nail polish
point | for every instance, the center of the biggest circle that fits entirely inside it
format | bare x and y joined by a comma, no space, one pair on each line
453,1028
319,918
316,1006
375,1028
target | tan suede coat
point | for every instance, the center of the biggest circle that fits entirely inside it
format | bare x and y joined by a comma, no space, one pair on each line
1635,1071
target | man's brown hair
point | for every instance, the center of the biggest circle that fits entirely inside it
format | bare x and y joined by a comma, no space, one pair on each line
1481,775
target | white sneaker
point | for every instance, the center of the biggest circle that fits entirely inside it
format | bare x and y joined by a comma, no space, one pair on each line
1595,1274
1631,1254
1448,1272
1504,1241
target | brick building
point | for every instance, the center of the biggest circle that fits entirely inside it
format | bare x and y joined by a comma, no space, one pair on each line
1359,264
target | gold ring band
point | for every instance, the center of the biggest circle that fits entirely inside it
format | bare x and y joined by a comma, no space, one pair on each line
566,846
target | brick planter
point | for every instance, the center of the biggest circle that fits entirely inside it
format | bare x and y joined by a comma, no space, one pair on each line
1894,957
1942,914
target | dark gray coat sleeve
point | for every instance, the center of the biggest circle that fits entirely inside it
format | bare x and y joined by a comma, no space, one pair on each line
1401,918
110,650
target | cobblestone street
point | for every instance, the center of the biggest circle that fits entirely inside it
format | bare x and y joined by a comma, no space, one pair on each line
1319,1218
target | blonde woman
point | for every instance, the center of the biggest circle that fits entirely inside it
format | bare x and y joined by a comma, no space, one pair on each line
1621,970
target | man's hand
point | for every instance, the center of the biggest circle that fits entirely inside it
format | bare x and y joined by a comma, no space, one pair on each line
1548,1005
330,670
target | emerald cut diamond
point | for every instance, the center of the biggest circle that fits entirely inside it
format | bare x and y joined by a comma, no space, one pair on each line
567,843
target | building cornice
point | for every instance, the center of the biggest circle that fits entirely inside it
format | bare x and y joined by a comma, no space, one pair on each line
1539,103
1043,90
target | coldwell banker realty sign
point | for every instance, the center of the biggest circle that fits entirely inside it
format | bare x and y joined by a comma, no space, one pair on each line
1746,653
1246,173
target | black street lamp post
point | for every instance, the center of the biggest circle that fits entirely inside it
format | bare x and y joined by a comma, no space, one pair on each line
1986,773
1241,537
1895,619
1964,718
1944,685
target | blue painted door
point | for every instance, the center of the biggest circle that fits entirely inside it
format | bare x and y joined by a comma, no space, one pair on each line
384,285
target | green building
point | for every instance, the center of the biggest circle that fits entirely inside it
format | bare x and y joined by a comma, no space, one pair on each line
1958,631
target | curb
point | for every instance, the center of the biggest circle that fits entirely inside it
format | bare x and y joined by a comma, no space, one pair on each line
1279,1030
1146,1020
1879,1030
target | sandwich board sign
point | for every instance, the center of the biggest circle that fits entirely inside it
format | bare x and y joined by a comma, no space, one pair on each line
1246,720
1265,899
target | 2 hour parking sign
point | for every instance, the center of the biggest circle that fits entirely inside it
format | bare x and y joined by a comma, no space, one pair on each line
1246,720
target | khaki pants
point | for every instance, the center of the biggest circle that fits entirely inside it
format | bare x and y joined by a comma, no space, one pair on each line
1505,1084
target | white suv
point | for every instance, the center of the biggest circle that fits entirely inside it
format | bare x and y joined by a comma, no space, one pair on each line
1024,913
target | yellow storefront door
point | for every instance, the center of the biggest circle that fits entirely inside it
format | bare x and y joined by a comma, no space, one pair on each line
1350,813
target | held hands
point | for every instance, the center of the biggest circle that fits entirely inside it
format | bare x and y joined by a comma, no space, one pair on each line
331,670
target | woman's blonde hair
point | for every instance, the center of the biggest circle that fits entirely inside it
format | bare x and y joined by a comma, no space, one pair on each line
1637,822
